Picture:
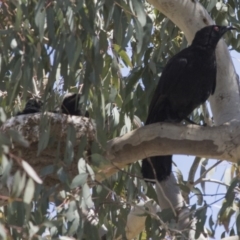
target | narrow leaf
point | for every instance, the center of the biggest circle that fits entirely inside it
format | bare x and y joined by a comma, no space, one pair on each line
29,191
31,172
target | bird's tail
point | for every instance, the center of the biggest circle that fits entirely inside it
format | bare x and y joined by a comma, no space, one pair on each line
157,168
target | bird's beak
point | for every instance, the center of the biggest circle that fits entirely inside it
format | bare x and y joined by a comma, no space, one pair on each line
229,28
226,29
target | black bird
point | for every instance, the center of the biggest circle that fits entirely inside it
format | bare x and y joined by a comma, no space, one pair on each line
187,81
32,106
71,105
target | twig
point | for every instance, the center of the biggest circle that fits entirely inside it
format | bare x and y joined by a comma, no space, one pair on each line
203,175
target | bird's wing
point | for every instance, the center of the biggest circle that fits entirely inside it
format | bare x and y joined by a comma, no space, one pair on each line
170,77
215,77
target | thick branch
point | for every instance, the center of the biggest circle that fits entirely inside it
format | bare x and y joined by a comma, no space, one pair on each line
220,142
165,138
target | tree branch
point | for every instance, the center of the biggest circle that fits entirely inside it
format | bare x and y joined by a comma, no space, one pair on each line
165,138
220,142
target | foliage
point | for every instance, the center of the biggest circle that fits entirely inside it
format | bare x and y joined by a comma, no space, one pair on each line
114,51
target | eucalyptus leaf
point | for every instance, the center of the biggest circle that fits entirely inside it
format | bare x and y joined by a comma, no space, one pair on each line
79,180
40,15
3,234
116,116
18,138
199,195
18,184
87,196
29,191
31,172
6,166
123,55
82,166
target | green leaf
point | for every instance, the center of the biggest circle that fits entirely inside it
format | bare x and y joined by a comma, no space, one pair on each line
179,175
18,138
211,223
219,5
123,55
201,219
91,172
227,176
137,8
113,94
73,48
116,116
18,184
70,18
211,5
232,232
5,140
18,17
6,166
50,23
198,194
14,44
87,196
63,177
139,35
69,152
204,163
2,232
98,160
40,15
119,25
17,71
47,170
33,229
29,191
167,215
231,11
31,172
238,223
79,180
82,166
128,123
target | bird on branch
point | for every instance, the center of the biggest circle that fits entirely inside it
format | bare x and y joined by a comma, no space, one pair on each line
70,106
187,80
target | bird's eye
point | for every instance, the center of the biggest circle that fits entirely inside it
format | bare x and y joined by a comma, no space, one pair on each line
216,28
